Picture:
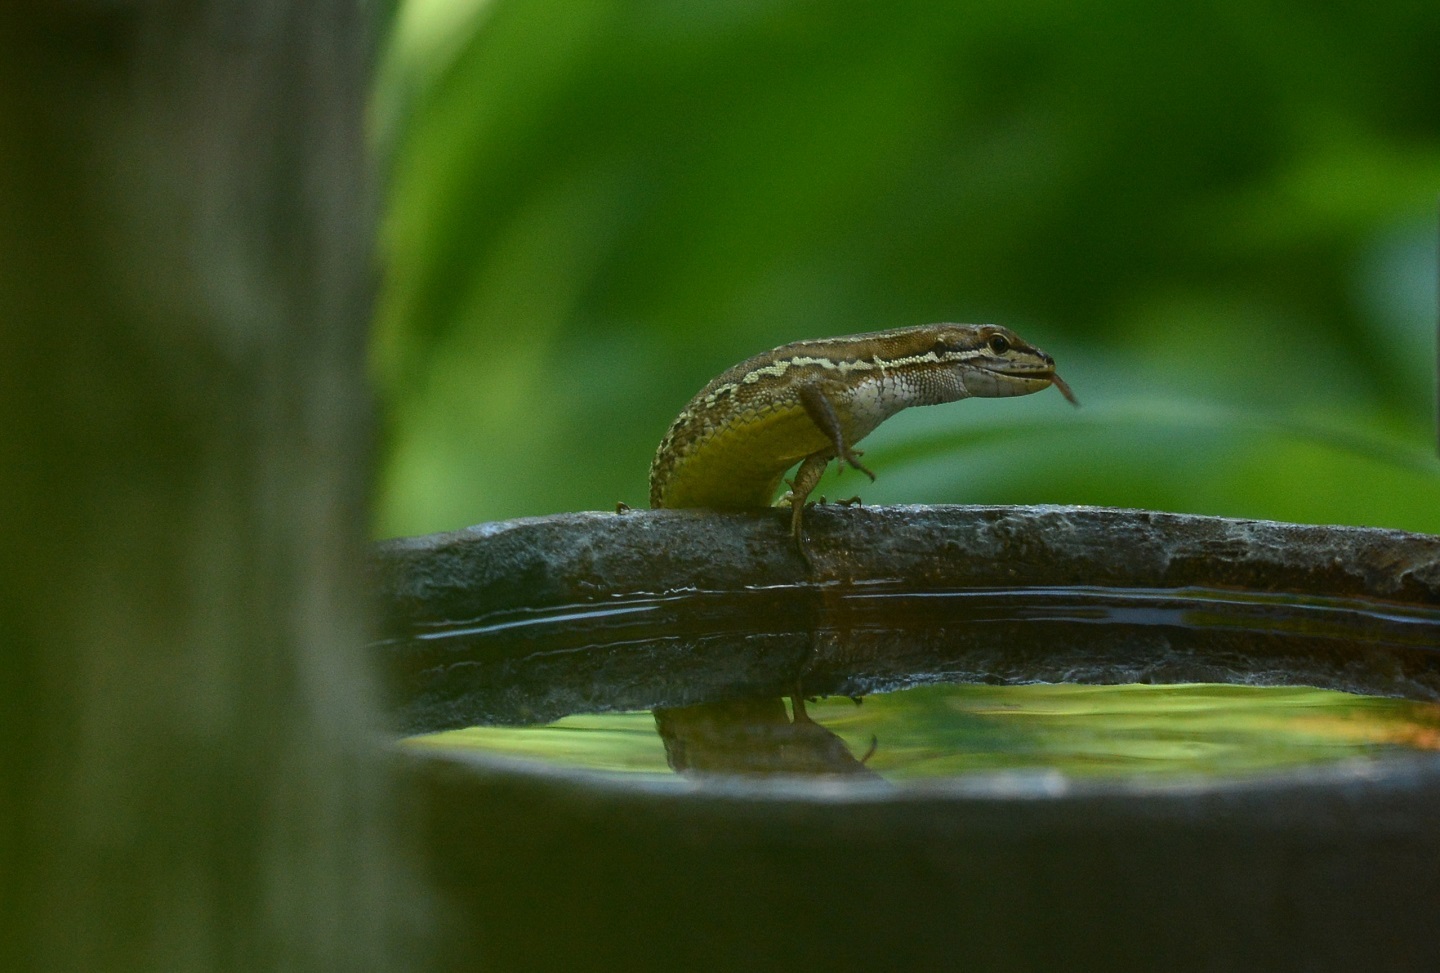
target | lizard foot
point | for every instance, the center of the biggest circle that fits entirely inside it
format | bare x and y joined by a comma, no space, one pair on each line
852,457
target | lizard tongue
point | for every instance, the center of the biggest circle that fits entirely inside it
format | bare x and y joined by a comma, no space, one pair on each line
1059,383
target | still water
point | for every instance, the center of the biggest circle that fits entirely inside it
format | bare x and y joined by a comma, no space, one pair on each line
871,683
1080,731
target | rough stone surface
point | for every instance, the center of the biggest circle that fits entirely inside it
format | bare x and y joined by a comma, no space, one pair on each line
563,558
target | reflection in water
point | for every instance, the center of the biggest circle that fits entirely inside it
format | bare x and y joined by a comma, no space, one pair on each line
1083,681
946,731
753,736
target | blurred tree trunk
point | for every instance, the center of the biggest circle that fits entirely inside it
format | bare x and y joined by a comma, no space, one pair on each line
191,776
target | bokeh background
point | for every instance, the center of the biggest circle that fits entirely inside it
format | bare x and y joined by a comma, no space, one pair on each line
1219,218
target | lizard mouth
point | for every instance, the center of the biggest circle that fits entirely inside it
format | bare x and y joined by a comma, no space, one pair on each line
1044,375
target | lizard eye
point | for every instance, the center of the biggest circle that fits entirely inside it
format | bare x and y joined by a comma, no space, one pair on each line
999,344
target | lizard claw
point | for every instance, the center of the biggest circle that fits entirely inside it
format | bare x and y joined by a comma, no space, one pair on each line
852,456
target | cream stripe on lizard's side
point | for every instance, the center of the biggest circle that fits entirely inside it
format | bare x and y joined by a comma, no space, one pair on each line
811,401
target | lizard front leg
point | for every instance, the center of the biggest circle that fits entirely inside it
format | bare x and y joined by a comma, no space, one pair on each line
822,412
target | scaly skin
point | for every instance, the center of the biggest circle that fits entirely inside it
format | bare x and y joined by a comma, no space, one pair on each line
811,401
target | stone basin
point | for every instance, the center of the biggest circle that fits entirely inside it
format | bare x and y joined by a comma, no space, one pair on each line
1333,866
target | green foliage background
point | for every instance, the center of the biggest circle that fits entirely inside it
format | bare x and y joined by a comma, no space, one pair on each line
1219,218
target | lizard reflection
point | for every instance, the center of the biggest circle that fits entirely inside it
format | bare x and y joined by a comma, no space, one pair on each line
754,737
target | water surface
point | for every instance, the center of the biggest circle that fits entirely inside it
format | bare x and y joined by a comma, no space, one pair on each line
1081,731
917,686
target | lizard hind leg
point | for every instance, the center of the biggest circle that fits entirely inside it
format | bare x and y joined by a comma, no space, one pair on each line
806,478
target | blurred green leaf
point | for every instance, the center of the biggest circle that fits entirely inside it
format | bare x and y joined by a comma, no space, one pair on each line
594,208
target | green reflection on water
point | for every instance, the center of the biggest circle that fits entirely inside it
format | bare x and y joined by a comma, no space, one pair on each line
617,742
932,732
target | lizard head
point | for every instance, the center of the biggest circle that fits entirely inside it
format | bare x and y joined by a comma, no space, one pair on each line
998,363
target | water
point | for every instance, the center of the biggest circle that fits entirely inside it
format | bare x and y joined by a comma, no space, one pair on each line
1081,731
1086,683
